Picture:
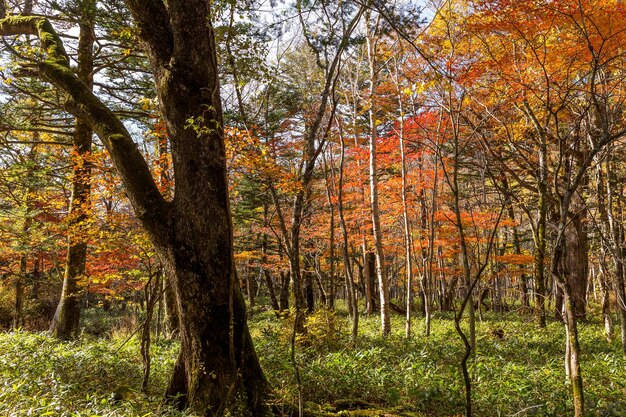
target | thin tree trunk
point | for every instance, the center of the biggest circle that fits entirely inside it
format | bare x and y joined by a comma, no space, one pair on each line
20,280
408,241
250,284
540,258
350,287
616,231
18,309
284,291
331,232
577,257
373,183
152,294
172,321
65,324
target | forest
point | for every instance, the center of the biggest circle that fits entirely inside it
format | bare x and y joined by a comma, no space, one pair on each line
312,208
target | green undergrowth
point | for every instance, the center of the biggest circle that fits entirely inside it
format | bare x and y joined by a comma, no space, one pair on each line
42,377
517,370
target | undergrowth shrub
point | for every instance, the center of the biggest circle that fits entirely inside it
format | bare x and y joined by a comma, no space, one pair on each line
517,369
40,376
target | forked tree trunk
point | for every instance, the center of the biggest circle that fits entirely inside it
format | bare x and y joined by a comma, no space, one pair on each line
217,370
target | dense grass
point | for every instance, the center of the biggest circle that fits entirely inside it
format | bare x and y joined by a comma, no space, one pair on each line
520,374
42,377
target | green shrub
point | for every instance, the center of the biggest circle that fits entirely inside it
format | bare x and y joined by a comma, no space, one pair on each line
40,376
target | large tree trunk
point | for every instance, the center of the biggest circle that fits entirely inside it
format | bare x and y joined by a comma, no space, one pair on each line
218,370
65,324
221,368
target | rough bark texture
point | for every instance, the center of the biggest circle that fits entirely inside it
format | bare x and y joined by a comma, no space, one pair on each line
577,259
172,322
221,368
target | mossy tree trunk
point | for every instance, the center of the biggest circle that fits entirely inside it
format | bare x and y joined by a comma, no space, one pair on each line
65,324
21,278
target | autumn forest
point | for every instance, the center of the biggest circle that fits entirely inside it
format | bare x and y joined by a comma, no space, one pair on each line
312,208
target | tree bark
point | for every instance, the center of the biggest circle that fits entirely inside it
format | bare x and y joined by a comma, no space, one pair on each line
408,240
577,257
373,183
350,286
284,291
616,230
65,324
266,273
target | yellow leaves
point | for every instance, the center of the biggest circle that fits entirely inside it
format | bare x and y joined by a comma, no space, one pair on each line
125,33
247,256
146,104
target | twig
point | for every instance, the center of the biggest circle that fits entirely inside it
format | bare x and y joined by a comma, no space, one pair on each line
525,409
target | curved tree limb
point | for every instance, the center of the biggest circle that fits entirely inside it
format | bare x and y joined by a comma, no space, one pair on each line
54,67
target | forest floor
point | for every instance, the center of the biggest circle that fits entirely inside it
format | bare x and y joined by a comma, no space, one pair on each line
518,374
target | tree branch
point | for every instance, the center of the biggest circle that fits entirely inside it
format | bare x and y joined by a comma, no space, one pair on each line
142,191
